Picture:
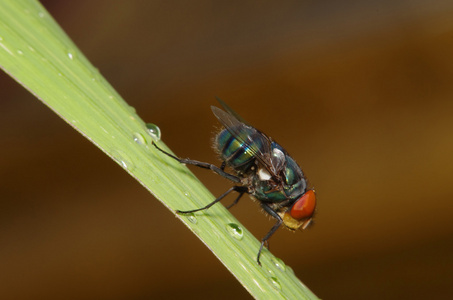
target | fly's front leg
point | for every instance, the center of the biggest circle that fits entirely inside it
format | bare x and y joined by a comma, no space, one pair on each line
203,165
274,228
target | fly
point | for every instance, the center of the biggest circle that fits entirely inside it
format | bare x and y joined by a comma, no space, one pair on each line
262,169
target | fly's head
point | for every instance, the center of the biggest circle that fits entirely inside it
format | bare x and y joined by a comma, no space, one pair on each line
300,214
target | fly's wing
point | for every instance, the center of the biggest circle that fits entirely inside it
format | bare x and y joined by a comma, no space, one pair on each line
272,163
232,112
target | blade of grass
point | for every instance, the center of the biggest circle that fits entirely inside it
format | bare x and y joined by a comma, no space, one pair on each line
38,54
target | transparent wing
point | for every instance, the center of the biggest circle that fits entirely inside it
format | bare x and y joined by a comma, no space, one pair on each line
232,112
273,162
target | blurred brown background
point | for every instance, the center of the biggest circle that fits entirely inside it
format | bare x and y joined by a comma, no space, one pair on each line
360,94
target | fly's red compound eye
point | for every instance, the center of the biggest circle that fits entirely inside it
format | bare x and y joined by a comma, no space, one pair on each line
305,206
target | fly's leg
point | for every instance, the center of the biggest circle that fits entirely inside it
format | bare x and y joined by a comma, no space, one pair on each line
265,240
239,189
203,165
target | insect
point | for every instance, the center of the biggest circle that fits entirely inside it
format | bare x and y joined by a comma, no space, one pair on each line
262,169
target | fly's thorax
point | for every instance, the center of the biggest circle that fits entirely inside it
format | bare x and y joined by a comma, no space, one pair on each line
295,181
288,184
268,190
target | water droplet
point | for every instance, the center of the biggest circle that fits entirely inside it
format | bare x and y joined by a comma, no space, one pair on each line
192,218
274,282
6,49
235,231
139,138
70,55
123,160
132,109
20,52
290,270
271,273
153,131
187,194
279,263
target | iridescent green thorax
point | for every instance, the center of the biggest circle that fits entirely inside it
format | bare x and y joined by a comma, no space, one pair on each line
237,154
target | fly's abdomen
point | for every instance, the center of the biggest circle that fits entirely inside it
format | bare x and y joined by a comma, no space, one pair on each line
237,153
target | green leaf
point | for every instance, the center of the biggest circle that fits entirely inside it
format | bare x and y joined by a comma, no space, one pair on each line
38,54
